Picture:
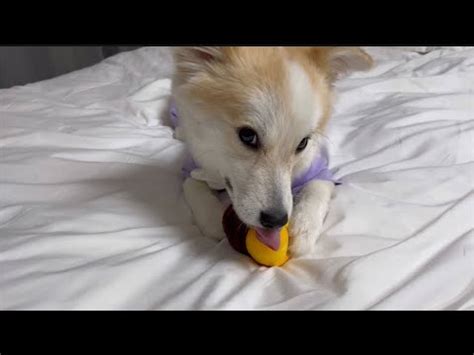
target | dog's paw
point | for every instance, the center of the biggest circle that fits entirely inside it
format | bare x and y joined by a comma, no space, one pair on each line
213,181
304,232
211,229
206,208
306,223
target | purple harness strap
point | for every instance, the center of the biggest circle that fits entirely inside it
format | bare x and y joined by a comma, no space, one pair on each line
189,164
317,171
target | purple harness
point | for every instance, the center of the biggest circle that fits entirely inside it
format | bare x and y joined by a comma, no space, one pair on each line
317,171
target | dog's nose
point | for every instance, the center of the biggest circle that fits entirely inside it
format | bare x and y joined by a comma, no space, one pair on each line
273,218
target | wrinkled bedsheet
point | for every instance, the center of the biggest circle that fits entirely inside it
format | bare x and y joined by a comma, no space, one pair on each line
92,214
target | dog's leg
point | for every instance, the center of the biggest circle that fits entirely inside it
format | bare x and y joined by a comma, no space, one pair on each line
206,208
178,134
310,209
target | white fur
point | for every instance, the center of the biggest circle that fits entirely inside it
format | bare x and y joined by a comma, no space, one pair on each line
306,108
305,103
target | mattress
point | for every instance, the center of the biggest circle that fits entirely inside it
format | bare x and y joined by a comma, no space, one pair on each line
92,214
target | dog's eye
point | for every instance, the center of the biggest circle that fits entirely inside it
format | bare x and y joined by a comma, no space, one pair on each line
302,145
249,137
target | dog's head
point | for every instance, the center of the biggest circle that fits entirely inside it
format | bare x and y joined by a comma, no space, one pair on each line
253,117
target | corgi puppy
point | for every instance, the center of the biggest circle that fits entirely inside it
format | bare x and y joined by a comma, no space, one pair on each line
253,119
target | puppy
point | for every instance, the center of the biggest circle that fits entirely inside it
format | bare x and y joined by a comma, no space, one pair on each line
253,119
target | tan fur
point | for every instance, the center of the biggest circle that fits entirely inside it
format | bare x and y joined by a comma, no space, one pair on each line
227,82
232,74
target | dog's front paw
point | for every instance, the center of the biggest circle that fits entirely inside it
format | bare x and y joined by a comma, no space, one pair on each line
304,232
212,229
206,208
306,223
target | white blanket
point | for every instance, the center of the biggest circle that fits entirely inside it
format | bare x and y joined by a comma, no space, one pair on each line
92,214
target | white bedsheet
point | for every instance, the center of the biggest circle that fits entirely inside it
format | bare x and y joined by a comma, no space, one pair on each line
92,214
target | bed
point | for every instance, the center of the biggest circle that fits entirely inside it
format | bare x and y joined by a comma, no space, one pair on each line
92,214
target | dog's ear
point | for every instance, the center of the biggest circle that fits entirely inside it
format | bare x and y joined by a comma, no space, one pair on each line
191,60
344,60
341,61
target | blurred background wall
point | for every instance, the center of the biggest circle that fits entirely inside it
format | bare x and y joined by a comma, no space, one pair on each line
21,65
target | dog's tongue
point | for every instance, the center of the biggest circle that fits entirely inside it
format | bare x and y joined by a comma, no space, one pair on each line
269,237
